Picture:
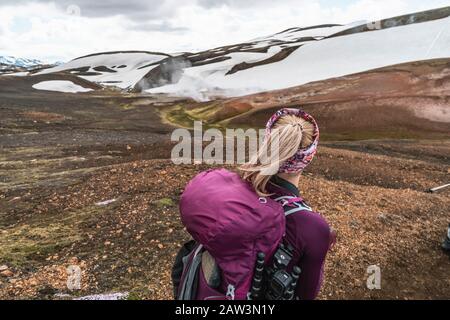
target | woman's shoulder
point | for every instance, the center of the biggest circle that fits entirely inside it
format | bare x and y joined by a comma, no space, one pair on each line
311,220
310,229
312,233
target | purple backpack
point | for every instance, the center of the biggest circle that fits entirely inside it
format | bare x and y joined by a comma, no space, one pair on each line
231,223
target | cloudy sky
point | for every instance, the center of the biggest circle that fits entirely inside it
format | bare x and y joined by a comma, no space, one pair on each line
65,29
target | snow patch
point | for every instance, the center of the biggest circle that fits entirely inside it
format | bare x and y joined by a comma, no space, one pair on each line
60,86
16,74
135,67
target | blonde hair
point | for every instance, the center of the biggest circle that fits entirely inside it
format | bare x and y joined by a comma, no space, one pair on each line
292,133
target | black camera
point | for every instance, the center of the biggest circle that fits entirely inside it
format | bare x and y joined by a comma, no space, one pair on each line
279,285
275,283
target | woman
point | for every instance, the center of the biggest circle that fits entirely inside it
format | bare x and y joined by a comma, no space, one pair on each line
232,220
307,232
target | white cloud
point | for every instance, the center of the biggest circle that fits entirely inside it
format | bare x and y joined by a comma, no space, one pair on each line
52,34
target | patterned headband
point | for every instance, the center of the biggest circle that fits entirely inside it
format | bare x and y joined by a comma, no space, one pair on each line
304,156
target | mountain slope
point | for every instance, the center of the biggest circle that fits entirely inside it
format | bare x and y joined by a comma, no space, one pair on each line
293,57
409,100
317,58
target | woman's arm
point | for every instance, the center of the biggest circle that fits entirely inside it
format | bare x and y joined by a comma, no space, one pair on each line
317,238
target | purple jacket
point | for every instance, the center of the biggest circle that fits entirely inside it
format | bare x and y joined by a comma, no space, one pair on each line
223,213
310,236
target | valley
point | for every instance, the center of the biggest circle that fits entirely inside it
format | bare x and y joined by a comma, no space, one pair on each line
86,179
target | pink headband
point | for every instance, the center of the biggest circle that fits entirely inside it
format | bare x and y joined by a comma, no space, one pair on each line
303,157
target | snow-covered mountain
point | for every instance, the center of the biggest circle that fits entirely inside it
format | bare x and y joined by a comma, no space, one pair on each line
290,58
13,65
19,62
302,55
120,69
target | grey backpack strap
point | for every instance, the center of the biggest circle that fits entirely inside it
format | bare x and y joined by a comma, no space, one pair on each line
187,292
299,206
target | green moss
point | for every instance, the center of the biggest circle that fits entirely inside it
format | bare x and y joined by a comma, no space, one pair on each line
177,116
165,202
182,116
204,113
42,236
134,296
28,167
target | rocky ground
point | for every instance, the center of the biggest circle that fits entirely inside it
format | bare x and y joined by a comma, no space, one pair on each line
85,180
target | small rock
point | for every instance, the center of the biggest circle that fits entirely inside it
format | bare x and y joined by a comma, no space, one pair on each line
4,267
353,224
105,203
382,217
7,273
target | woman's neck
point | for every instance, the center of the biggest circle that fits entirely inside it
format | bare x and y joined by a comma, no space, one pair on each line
293,178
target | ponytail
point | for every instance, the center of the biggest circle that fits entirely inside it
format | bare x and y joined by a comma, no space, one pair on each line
288,135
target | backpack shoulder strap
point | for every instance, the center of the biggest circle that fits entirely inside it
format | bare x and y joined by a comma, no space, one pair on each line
179,265
188,285
292,204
